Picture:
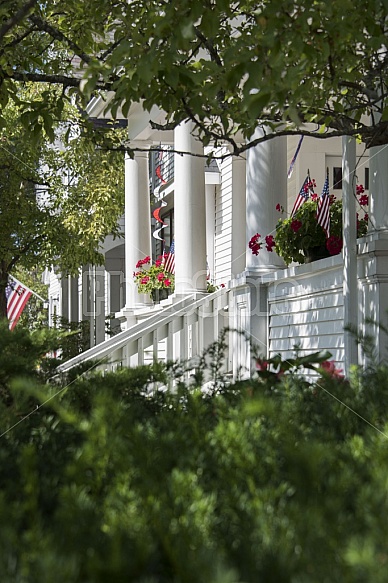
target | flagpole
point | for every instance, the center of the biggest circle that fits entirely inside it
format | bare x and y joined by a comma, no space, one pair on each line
28,289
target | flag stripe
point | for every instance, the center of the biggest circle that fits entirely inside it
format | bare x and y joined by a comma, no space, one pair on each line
169,264
17,297
303,195
323,210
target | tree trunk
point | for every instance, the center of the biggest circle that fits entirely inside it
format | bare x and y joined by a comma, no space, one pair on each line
3,298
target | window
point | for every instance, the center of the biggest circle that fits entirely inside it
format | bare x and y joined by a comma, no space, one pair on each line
337,178
366,182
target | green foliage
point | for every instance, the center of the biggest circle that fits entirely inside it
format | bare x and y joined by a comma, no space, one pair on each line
301,239
120,478
76,339
57,204
296,236
231,66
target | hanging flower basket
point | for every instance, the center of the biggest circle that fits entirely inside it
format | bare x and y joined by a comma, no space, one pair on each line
153,279
301,239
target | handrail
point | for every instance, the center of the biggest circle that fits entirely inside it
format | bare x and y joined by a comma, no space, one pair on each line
185,307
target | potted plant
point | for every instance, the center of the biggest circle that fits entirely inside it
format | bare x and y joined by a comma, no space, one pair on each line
153,279
301,239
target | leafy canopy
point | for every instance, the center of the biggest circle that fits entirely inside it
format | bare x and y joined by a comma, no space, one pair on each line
229,66
57,204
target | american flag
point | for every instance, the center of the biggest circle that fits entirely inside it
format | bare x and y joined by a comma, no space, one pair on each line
303,195
17,296
323,210
169,264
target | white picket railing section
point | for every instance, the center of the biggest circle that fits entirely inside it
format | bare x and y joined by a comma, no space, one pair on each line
179,331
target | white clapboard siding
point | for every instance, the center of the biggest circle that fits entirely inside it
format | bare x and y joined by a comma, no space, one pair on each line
223,223
306,309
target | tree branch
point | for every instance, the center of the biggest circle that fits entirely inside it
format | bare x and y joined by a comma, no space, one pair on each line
58,35
16,18
54,79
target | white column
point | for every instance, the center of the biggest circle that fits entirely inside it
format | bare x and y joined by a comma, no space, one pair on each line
210,227
137,227
99,303
378,188
73,312
349,249
266,187
373,250
190,215
238,259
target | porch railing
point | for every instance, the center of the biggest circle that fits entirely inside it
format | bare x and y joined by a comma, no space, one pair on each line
179,331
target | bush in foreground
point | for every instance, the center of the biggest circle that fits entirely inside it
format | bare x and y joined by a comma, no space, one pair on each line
272,479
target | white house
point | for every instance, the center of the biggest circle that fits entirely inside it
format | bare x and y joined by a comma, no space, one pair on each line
212,212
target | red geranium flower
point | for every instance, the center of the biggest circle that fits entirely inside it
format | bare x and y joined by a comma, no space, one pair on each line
296,225
364,199
255,244
145,279
334,245
279,208
329,367
360,189
270,242
261,365
160,276
314,196
167,282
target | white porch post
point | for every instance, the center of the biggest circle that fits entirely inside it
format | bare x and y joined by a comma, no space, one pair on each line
210,227
137,228
239,172
190,213
374,253
99,303
349,249
378,188
266,186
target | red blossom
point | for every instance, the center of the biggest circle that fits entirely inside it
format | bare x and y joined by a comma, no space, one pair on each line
261,365
360,189
145,280
158,262
332,199
222,285
366,217
144,261
160,276
334,245
270,242
329,367
167,282
314,197
279,208
364,199
296,225
255,244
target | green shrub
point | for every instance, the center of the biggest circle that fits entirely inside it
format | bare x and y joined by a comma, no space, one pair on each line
121,478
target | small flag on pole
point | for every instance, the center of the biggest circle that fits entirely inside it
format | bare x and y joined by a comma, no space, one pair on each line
17,296
169,264
303,195
323,210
